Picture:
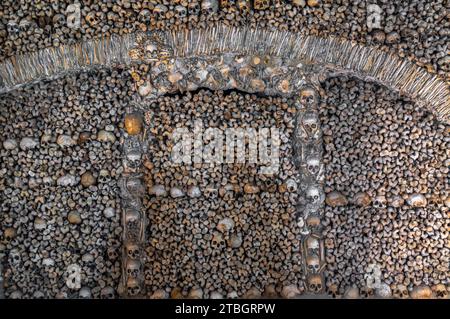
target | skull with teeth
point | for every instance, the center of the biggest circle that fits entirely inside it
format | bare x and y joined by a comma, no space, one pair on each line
133,268
133,287
379,201
180,12
313,263
313,165
315,283
310,125
210,6
132,250
400,291
308,97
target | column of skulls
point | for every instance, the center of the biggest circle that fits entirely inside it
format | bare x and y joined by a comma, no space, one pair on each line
133,217
308,154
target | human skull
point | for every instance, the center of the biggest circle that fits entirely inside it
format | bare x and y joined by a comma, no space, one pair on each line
133,268
180,12
315,284
308,97
313,222
132,216
400,291
210,6
133,287
92,18
107,293
12,27
134,186
144,15
310,123
73,13
261,4
160,10
85,293
243,5
132,250
313,164
313,194
312,245
194,7
14,257
440,291
333,291
379,201
313,263
367,292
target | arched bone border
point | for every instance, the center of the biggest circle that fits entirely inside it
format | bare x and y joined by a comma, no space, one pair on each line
329,57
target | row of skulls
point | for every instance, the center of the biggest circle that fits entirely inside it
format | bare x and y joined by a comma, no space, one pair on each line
134,222
307,142
207,7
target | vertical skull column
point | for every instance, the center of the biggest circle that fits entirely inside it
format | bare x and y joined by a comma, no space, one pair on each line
133,217
308,155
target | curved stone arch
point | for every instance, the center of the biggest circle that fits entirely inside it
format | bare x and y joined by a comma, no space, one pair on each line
319,57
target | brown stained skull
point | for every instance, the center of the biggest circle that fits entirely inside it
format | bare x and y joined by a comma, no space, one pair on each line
315,283
440,291
243,5
92,19
133,287
160,10
261,4
400,291
313,263
132,250
133,268
132,216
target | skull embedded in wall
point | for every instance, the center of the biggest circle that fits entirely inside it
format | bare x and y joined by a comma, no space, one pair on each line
314,195
440,291
144,16
379,201
210,6
313,263
132,216
160,11
309,126
313,165
194,7
132,250
133,287
133,268
73,13
312,245
107,293
400,291
243,5
315,283
261,4
308,97
180,12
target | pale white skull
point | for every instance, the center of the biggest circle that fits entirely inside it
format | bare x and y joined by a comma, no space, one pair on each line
310,123
85,293
312,245
210,6
180,11
313,164
313,194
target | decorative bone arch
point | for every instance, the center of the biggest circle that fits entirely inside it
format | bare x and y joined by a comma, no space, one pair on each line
221,58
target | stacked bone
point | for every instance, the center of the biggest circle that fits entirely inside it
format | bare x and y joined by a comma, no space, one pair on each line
386,220
27,27
59,164
307,143
225,229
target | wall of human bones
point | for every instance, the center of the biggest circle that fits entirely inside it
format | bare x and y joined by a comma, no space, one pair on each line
361,244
